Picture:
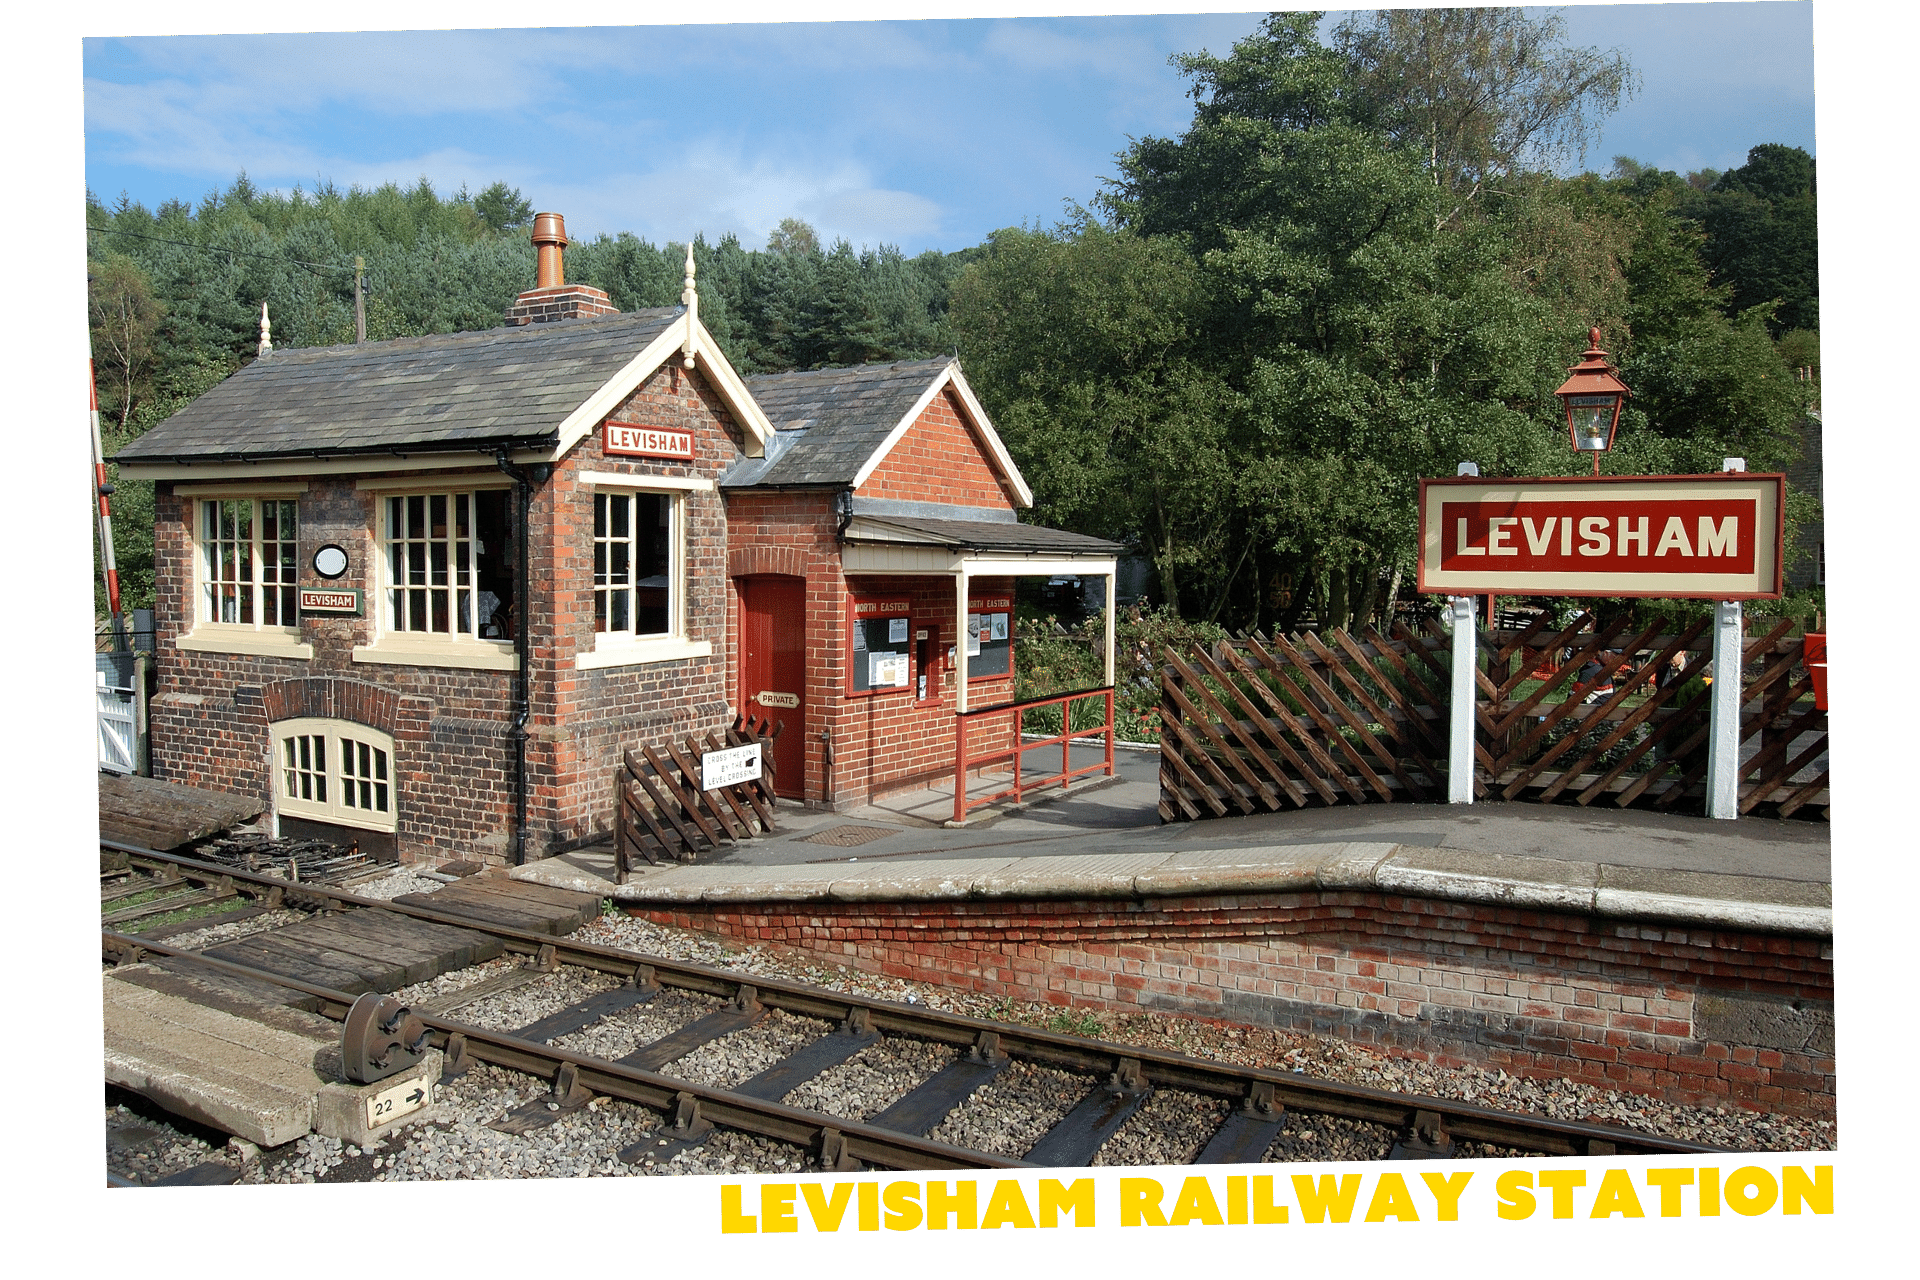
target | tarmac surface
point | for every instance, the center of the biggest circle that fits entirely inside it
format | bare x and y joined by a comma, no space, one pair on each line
1119,816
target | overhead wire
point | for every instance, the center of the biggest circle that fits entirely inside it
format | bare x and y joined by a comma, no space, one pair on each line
230,253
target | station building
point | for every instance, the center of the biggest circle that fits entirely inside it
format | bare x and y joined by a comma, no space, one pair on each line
420,594
874,547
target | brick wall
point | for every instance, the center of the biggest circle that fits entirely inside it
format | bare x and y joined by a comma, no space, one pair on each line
212,714
890,742
883,742
1692,1015
939,459
588,716
791,533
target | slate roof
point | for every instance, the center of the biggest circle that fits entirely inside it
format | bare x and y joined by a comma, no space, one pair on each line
979,535
446,391
830,421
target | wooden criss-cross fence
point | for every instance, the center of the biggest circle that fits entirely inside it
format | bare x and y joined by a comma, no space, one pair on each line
1258,725
1586,713
661,811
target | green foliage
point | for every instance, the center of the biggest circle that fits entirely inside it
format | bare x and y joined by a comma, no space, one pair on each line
501,207
1761,227
1047,663
1479,94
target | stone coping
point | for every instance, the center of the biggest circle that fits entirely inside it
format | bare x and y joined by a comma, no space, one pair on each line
1533,884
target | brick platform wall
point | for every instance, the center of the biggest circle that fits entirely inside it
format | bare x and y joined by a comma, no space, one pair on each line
1691,1015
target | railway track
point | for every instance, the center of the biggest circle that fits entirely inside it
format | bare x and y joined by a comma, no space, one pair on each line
1120,1079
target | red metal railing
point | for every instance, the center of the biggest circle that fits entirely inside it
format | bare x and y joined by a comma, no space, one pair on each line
962,762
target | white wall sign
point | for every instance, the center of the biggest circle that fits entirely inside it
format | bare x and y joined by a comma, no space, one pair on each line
635,441
729,767
330,600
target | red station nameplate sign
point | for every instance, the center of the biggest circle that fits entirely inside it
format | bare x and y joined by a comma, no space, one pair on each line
632,440
1714,537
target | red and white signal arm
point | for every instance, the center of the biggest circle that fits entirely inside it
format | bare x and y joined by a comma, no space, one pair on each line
1711,537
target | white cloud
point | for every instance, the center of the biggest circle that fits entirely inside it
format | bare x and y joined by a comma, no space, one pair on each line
720,193
414,72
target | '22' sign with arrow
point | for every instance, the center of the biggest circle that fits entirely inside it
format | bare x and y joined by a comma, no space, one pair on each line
402,1099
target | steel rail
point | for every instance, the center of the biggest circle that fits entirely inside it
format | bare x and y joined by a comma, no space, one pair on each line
1462,1121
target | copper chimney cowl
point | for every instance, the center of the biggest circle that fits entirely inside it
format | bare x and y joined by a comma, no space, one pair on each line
549,238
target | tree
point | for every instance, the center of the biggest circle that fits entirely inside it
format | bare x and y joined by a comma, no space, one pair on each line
502,208
1480,94
793,236
126,317
1352,337
1080,340
1761,222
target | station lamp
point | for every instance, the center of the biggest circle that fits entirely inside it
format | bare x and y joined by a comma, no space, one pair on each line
1593,394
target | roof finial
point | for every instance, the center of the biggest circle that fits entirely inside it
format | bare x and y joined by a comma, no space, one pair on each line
266,332
690,299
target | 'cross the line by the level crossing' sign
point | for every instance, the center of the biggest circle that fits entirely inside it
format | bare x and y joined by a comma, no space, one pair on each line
1712,537
729,767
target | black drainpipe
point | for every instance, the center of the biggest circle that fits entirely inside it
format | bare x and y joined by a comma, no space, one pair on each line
528,477
843,510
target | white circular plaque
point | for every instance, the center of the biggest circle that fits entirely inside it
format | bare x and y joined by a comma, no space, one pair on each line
330,561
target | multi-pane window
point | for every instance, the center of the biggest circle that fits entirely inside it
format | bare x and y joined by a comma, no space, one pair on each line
249,561
633,563
304,765
447,566
335,771
363,777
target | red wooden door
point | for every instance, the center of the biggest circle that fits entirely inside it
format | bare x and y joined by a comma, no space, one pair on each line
773,670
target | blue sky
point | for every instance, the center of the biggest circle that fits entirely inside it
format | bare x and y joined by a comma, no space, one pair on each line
923,134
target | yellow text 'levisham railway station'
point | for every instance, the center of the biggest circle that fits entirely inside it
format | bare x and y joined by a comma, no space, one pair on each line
1261,1199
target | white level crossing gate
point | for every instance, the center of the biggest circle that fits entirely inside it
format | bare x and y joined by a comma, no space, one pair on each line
114,712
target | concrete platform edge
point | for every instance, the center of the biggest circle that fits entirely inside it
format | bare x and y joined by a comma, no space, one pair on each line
1533,884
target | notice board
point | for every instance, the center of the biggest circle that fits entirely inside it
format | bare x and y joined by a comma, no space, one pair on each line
879,645
989,637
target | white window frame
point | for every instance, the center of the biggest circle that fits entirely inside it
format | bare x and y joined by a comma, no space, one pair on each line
209,634
624,648
430,648
319,790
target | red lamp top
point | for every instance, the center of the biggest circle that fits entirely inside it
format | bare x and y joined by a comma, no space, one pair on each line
1593,376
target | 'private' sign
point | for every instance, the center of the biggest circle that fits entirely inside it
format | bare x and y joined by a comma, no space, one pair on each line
1713,537
636,441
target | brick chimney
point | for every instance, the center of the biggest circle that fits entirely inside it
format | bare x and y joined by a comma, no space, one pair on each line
551,297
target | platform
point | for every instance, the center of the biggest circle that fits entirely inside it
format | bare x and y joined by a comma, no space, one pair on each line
1544,884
